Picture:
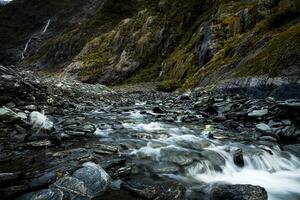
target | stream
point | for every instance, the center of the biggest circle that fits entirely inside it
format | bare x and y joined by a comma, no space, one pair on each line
185,152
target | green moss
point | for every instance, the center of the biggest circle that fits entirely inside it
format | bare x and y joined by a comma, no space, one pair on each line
168,86
278,54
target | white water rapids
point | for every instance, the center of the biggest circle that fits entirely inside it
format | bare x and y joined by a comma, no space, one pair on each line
278,172
189,156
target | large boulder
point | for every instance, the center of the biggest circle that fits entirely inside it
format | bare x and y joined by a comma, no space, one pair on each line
40,121
238,192
95,179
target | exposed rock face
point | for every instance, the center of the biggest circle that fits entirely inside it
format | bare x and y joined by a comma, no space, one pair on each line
191,43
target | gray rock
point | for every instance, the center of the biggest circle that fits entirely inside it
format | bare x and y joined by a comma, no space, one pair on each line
31,107
238,157
258,113
71,186
95,179
263,128
47,194
173,155
238,192
7,115
293,148
40,121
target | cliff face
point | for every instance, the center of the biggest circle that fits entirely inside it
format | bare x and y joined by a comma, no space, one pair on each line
179,43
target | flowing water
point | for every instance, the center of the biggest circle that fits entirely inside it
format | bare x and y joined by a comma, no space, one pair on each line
185,153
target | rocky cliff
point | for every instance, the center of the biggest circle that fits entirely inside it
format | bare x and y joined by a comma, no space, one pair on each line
181,44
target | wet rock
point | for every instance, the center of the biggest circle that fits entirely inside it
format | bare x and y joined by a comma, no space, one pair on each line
30,107
7,115
238,192
71,187
258,113
289,132
38,144
268,138
184,97
238,157
164,190
8,177
47,194
158,109
293,148
163,167
11,191
262,127
40,121
95,179
175,156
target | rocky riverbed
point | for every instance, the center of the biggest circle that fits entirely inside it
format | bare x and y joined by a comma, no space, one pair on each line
61,139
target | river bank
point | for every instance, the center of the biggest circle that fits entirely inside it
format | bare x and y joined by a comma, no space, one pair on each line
62,139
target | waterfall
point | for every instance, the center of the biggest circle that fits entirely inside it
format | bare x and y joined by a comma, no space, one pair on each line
46,27
25,48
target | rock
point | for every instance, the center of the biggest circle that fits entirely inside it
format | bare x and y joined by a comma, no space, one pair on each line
258,113
268,138
158,109
164,190
238,192
293,148
165,168
9,192
175,156
31,107
238,158
71,187
40,121
47,194
7,115
8,177
95,179
262,127
38,144
184,97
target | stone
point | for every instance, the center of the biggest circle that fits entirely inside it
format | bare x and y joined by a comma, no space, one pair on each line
293,148
238,158
30,107
172,155
238,192
40,121
7,115
262,127
95,179
258,113
71,186
46,194
158,109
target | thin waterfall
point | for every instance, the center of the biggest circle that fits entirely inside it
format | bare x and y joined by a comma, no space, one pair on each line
46,27
25,48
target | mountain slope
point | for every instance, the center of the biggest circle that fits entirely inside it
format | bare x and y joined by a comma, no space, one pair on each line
181,44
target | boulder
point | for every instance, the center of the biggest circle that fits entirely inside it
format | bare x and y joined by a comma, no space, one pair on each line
238,192
40,121
95,179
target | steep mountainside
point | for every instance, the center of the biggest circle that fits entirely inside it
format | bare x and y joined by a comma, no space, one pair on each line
179,43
